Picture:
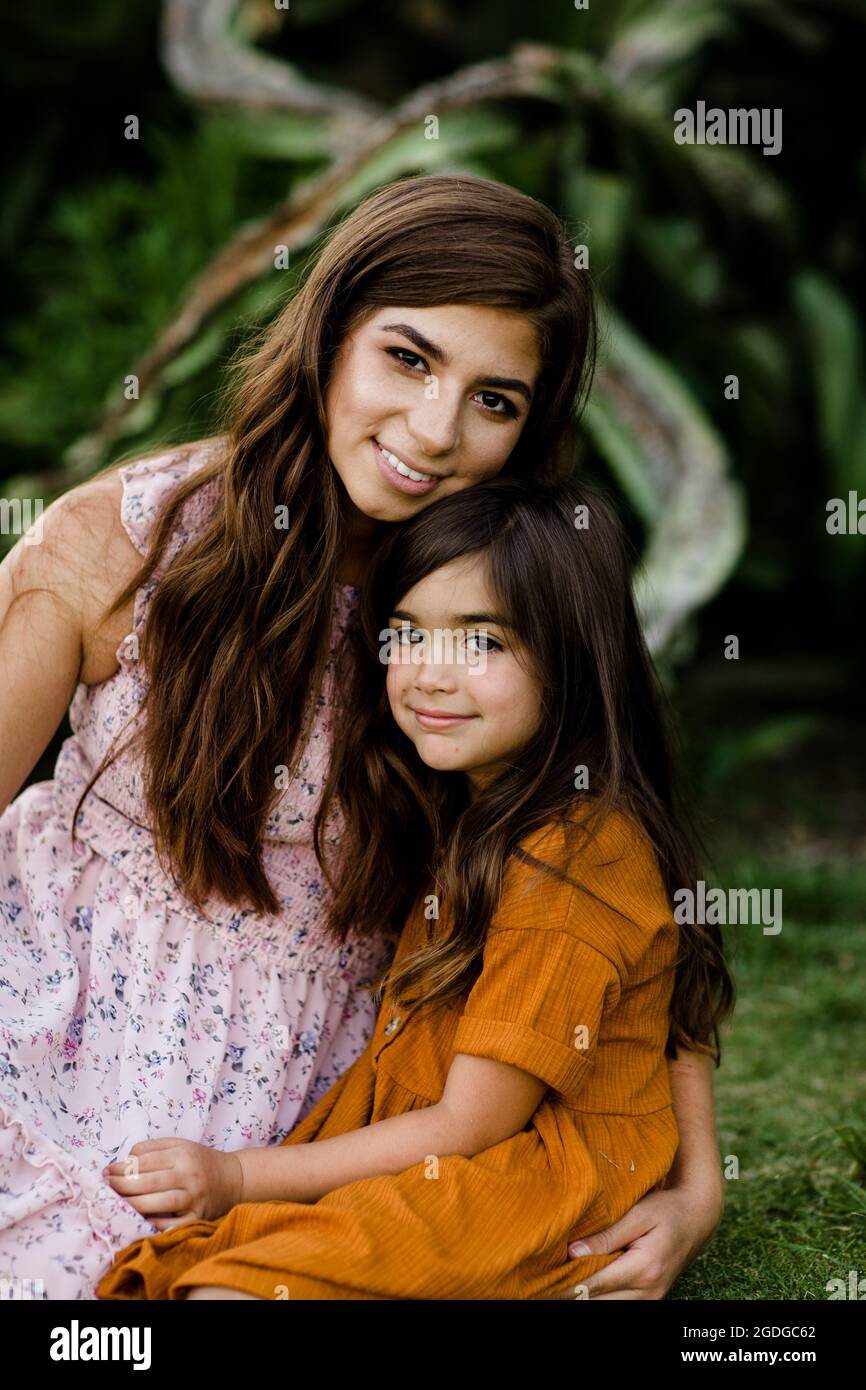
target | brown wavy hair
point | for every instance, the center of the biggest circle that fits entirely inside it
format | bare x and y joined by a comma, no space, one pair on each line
412,830
238,629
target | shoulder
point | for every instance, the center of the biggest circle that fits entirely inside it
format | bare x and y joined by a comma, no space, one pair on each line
80,536
598,880
94,538
72,564
589,846
99,520
148,482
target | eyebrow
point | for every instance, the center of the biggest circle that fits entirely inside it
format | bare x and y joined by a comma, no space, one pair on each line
504,383
458,620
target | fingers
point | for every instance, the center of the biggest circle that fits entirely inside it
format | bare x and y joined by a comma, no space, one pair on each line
625,1286
150,1162
138,1183
149,1192
150,1166
165,1223
171,1203
638,1221
633,1274
615,1237
146,1156
148,1145
148,1179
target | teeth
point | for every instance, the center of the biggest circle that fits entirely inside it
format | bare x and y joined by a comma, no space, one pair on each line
401,468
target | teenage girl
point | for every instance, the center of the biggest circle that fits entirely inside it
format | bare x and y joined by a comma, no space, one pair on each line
515,1087
168,970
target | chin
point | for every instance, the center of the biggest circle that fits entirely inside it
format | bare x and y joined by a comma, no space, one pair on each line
379,504
389,509
442,759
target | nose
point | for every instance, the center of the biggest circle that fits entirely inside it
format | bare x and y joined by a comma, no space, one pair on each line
432,673
434,425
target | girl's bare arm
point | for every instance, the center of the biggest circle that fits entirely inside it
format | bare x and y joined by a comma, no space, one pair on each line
484,1102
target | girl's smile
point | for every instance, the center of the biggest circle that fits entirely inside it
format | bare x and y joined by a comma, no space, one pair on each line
439,719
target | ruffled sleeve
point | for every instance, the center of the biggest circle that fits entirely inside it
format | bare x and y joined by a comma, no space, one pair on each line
146,485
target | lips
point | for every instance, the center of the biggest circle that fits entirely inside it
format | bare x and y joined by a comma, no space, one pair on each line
439,719
399,480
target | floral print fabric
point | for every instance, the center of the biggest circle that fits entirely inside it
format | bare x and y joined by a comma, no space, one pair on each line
124,1013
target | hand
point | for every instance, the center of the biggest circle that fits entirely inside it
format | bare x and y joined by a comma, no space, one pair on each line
659,1236
174,1180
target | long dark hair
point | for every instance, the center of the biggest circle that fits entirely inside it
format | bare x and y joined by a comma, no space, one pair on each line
567,594
237,635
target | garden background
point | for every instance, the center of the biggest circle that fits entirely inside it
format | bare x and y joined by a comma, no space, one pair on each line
259,125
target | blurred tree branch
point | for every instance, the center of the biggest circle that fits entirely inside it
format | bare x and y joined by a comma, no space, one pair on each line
210,66
669,460
295,222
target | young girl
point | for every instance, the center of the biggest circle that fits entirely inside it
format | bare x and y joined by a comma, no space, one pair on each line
514,806
168,971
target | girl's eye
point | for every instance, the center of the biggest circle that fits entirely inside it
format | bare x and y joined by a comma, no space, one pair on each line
409,636
508,407
400,353
479,642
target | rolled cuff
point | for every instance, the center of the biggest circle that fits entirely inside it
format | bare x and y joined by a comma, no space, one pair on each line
560,1067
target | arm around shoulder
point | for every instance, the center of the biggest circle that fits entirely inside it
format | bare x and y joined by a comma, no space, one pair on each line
696,1166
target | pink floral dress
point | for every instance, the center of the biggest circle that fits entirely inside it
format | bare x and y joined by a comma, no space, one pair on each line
125,1014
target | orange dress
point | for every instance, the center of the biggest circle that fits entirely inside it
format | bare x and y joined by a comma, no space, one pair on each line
575,988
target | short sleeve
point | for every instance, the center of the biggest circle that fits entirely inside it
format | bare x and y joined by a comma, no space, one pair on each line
538,1004
147,484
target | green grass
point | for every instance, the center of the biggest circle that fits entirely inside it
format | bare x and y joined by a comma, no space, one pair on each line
791,1093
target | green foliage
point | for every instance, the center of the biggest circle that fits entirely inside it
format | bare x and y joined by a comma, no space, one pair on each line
703,254
110,271
834,342
734,753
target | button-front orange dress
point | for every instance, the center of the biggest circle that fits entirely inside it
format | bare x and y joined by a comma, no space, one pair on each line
575,988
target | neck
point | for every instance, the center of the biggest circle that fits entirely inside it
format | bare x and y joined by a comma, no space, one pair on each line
361,538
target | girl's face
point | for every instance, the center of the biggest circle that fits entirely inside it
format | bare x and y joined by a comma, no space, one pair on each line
442,392
461,686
